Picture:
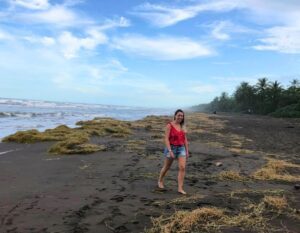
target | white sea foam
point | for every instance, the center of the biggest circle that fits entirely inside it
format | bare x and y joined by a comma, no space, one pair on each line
5,152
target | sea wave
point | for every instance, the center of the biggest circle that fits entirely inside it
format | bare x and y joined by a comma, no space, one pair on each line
34,114
51,105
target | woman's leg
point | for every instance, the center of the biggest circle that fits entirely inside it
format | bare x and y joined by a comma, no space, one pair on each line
181,174
167,164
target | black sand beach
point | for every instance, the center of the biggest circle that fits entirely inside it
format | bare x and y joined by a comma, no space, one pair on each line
115,190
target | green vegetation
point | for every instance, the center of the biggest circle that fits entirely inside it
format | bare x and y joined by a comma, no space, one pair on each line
76,140
31,136
263,98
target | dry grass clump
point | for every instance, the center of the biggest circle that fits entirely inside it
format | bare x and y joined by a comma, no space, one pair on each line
74,141
211,219
77,144
105,126
71,141
59,132
29,136
188,221
32,136
276,170
214,144
279,203
231,175
257,192
241,151
251,218
155,124
237,142
202,121
135,146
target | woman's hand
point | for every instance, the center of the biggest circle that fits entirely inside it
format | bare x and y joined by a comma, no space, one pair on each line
187,154
171,154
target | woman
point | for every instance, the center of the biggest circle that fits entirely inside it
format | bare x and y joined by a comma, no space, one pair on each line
176,148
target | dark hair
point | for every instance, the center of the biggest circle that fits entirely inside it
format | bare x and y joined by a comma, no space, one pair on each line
177,111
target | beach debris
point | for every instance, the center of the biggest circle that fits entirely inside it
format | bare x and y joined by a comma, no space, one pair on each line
218,164
52,159
276,202
276,169
231,175
84,167
74,140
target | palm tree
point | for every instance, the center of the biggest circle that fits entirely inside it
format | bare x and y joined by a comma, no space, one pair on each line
275,91
245,96
295,83
261,87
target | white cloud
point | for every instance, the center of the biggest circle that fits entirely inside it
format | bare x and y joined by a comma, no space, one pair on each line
113,23
161,48
45,40
65,41
263,11
283,39
218,32
48,41
273,12
107,71
31,4
69,81
224,30
57,15
281,18
71,44
5,35
114,63
163,16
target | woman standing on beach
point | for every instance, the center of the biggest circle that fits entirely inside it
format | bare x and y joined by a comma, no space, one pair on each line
176,148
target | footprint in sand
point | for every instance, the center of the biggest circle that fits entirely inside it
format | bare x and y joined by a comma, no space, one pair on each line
100,190
118,198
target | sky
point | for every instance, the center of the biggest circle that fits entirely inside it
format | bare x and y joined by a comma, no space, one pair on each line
167,53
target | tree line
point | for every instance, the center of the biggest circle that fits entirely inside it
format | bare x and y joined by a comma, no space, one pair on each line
265,97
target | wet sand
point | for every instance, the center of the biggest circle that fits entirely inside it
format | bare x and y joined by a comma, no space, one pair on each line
115,190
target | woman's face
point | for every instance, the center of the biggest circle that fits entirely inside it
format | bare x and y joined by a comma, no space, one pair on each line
179,117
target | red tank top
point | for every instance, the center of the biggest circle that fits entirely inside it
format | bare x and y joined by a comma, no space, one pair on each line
176,137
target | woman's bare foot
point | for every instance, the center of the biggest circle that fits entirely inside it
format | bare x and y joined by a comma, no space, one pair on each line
182,192
160,184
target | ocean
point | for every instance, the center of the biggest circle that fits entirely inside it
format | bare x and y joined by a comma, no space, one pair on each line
20,114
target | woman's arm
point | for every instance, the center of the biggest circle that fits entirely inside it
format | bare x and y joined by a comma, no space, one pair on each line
167,142
186,144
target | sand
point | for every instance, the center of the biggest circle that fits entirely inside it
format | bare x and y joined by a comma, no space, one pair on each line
115,190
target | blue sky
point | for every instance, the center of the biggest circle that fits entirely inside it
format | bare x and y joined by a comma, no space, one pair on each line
144,53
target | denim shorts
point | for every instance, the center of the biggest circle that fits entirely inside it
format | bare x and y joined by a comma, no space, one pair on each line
178,151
